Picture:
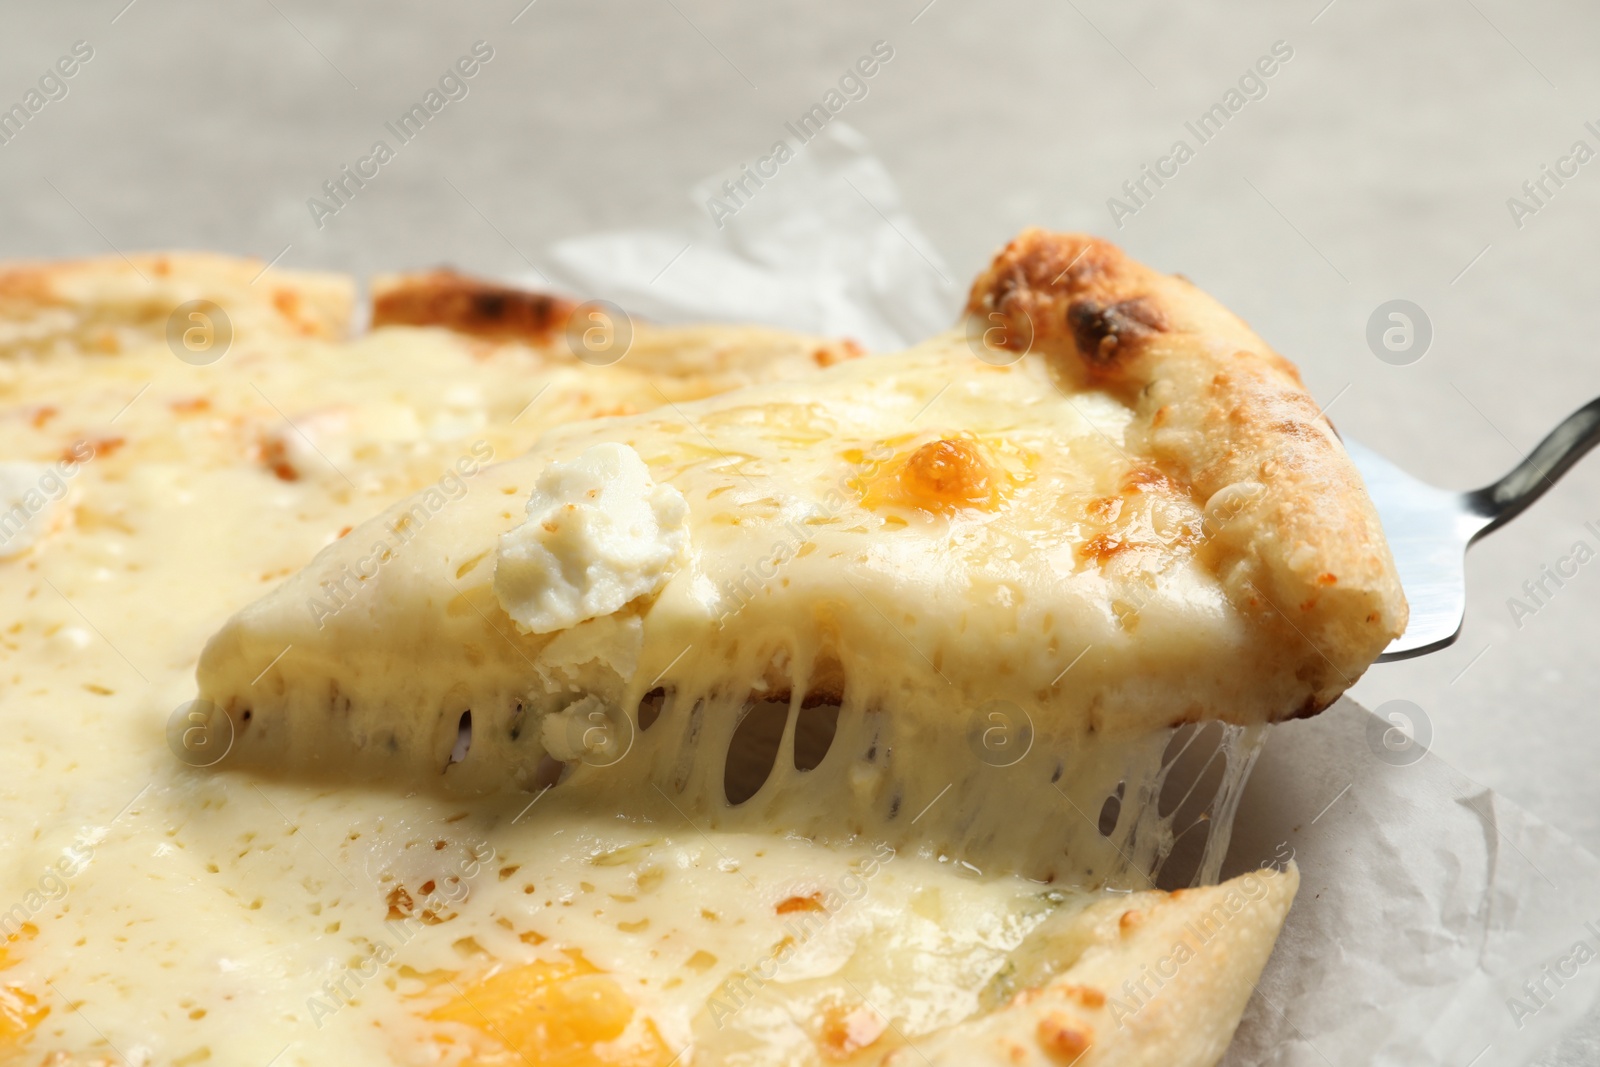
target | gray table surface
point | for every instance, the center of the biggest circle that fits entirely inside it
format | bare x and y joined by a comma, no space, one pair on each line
1378,165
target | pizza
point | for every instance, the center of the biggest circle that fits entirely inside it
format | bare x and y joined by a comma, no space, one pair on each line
706,696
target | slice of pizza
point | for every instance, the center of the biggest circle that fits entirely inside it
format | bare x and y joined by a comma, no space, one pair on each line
1102,510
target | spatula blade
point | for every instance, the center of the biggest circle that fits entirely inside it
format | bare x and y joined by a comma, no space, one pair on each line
1428,531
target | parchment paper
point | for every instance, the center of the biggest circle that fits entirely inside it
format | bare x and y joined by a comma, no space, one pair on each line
1437,923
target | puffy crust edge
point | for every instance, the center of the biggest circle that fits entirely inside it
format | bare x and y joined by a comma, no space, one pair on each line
468,305
1148,980
1290,530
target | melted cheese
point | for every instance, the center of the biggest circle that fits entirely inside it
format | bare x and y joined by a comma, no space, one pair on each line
1003,603
159,913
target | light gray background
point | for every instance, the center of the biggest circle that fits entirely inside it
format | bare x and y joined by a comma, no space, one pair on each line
1378,166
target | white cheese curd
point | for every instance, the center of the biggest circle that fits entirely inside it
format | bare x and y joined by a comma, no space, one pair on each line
599,533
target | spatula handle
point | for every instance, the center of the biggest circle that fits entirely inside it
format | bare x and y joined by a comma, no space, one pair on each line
1533,477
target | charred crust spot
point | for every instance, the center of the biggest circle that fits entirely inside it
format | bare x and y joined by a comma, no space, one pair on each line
1079,295
1102,332
489,306
1312,706
471,306
1044,264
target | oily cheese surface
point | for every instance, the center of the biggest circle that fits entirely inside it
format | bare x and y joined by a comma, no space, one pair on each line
1118,480
153,912
951,531
148,498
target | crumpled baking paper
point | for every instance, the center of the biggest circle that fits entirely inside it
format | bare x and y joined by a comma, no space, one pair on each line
1437,923
822,247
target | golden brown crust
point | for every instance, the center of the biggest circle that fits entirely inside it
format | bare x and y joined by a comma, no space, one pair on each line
686,362
468,305
1289,529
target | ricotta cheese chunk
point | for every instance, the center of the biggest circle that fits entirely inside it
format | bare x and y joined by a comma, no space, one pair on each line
600,533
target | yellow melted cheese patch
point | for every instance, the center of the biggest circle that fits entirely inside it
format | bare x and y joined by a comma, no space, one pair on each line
945,475
20,1010
560,1013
